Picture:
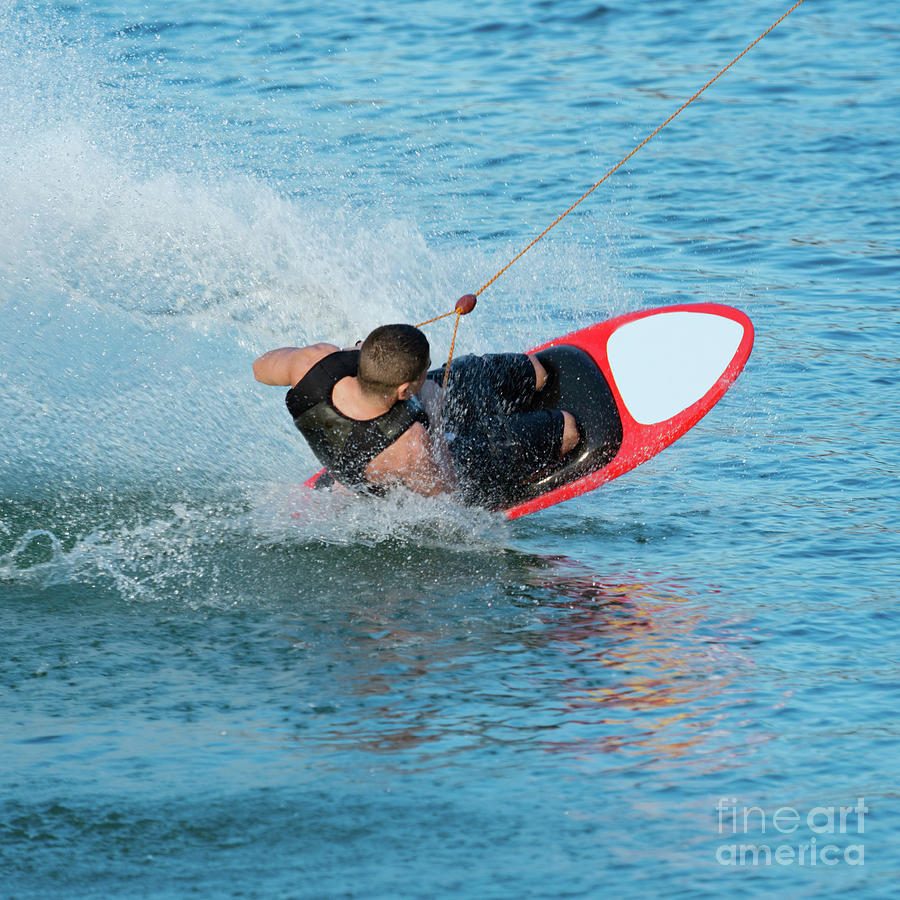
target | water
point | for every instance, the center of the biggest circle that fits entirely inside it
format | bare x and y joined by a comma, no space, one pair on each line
214,684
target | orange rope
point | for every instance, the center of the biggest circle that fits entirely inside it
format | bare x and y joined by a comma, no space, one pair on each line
646,139
437,318
587,193
452,345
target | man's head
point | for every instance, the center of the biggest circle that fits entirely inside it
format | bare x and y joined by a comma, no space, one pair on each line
392,357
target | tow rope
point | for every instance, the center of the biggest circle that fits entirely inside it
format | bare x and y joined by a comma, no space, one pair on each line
466,303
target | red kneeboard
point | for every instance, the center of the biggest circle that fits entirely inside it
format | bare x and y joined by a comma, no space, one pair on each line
665,368
636,383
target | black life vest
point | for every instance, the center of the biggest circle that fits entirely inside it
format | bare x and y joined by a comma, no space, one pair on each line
344,445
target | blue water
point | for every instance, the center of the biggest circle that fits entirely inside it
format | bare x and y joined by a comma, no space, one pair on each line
216,685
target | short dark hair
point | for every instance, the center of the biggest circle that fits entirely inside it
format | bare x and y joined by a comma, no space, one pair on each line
392,355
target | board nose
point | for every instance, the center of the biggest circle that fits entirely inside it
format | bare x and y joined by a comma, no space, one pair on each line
662,364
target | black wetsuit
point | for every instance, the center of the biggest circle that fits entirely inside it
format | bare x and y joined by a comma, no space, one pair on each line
344,445
497,438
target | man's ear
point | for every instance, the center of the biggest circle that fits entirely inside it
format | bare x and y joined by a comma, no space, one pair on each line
405,391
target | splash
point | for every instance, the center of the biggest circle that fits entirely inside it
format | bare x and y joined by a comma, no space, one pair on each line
142,269
138,286
219,555
287,513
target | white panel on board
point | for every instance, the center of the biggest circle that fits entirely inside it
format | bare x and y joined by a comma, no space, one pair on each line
663,363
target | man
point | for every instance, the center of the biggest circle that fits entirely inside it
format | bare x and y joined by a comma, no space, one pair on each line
363,413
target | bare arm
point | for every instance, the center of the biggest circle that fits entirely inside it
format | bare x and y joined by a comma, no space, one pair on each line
287,365
411,461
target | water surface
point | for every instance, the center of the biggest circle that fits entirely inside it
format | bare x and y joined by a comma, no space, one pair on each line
214,683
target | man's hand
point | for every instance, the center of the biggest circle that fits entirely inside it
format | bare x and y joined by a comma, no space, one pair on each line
411,461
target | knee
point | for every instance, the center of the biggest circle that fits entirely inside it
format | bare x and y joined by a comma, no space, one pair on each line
571,435
540,373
